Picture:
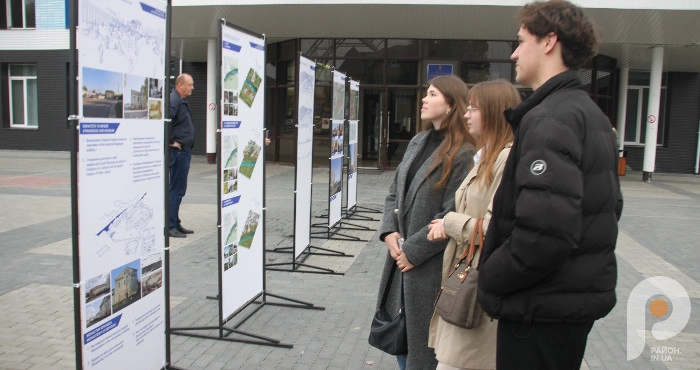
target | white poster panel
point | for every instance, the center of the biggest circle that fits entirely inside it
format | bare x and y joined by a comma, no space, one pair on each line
121,181
242,140
304,164
335,200
353,116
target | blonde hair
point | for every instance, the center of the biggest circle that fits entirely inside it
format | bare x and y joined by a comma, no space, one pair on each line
492,98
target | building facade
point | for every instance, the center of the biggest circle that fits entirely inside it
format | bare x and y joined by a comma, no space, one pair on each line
391,48
34,55
126,285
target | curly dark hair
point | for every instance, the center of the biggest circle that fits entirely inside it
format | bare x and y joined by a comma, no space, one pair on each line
576,32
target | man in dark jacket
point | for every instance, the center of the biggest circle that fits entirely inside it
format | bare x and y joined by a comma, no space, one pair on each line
548,268
180,153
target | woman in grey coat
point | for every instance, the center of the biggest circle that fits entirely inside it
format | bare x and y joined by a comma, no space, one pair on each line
434,165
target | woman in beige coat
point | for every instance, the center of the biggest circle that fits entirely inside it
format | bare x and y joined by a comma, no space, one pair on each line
457,347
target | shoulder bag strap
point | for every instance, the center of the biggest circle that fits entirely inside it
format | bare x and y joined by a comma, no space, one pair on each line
385,296
401,309
478,232
470,251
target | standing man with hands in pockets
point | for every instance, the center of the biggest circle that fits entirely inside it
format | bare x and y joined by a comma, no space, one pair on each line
180,152
548,267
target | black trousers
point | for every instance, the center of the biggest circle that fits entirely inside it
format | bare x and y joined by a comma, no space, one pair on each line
541,346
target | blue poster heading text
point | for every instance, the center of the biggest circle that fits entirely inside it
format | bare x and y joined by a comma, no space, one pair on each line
151,10
98,128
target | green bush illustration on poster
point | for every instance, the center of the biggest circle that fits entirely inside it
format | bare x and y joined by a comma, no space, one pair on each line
251,224
231,223
231,76
250,158
250,87
230,147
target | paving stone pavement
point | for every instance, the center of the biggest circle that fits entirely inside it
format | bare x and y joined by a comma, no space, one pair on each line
659,236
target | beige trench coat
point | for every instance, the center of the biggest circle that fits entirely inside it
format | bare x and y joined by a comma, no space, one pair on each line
467,348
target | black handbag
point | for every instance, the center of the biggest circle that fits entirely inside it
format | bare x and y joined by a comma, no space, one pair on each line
456,302
389,333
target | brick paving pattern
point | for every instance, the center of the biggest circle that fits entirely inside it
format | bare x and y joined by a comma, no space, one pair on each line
659,236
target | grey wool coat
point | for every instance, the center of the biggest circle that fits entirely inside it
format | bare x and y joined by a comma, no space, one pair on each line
410,215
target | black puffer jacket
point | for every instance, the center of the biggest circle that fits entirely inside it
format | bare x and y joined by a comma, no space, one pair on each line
549,250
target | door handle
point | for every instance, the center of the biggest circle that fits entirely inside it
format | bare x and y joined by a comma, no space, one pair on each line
388,123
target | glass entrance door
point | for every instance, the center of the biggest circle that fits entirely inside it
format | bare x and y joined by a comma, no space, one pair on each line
389,121
371,125
402,124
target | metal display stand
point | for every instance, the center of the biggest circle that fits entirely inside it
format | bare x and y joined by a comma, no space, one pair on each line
226,332
303,168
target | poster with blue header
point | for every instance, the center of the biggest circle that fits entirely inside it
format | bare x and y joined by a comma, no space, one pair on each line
242,138
121,182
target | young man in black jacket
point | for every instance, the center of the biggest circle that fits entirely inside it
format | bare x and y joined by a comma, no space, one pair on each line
548,268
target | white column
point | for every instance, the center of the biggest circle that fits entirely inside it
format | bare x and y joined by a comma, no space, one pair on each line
211,98
622,106
182,52
657,62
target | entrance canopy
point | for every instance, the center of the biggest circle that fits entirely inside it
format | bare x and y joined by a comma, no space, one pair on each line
629,29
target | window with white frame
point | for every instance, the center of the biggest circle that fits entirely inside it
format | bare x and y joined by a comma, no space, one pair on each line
24,108
638,106
20,14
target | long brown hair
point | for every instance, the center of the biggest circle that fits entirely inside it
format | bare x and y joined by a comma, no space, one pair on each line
492,98
452,128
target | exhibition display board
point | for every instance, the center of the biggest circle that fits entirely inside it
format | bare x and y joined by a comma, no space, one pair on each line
241,168
353,117
352,209
120,185
338,134
304,160
301,249
335,193
241,189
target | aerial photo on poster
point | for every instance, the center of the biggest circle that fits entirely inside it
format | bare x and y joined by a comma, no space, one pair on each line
250,158
251,225
250,87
